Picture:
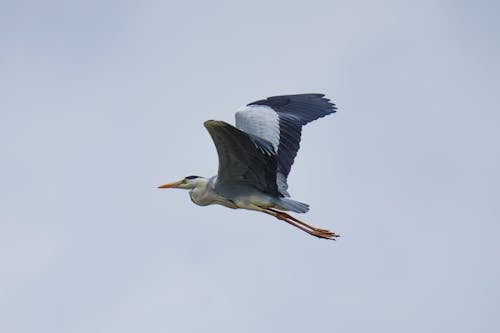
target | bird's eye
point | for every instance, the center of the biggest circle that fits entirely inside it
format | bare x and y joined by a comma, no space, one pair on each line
191,177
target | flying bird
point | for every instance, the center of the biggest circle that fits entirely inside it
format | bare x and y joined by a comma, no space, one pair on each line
256,156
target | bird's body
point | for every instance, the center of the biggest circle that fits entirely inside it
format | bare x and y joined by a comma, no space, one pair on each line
256,156
206,192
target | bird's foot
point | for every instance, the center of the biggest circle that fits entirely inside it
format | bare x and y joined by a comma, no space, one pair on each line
317,232
325,234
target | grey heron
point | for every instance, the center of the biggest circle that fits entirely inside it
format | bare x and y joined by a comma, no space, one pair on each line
256,156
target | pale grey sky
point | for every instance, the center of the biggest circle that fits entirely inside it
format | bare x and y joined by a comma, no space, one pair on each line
101,101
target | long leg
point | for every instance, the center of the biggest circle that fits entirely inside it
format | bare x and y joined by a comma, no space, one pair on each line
320,233
283,218
288,216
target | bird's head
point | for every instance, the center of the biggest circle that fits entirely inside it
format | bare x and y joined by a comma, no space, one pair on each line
188,183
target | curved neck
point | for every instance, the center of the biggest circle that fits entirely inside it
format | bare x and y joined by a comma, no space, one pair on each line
200,193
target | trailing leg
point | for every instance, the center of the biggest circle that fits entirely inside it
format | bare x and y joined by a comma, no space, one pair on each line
317,232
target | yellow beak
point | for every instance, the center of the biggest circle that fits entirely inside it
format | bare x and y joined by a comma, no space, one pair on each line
171,185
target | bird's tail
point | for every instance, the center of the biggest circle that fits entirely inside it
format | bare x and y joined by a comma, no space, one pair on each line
292,205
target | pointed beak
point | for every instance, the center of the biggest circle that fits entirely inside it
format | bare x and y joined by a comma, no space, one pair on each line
171,185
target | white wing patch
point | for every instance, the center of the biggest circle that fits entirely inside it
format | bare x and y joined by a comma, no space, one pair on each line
261,121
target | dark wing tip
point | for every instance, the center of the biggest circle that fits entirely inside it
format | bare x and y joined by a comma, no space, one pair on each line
281,100
214,123
209,122
277,102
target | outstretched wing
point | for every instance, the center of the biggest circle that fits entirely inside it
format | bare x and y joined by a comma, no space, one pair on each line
243,158
279,120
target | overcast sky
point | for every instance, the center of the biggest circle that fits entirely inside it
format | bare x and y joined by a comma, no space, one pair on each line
101,101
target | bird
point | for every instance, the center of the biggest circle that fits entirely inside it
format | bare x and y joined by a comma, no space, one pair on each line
256,156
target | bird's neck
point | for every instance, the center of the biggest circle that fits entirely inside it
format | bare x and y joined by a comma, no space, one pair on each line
200,194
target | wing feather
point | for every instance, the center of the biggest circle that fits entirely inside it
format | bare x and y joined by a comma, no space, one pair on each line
243,158
279,120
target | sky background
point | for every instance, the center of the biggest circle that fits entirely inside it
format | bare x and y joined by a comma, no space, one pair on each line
101,101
